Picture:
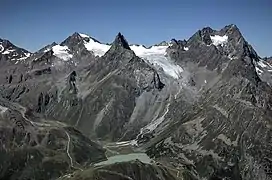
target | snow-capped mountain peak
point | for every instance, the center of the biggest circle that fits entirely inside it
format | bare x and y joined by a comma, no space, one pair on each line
12,52
155,55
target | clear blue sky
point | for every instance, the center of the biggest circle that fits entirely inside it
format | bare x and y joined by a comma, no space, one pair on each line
33,24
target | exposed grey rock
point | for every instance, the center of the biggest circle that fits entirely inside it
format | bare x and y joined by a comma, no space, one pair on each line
11,53
226,130
130,170
35,148
120,41
213,122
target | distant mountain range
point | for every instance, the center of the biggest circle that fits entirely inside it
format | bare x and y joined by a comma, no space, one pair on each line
199,109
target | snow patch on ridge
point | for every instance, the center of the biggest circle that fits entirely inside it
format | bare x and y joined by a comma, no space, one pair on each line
262,64
8,51
27,54
20,59
97,48
219,40
84,35
48,49
62,52
259,71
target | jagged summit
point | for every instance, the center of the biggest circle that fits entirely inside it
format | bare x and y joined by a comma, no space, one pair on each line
9,51
6,44
47,47
53,44
228,41
232,27
120,41
76,34
72,40
204,34
77,38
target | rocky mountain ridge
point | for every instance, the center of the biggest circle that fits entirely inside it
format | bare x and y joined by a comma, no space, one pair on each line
201,105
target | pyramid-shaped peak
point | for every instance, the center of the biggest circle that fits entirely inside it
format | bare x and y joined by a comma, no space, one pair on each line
53,44
6,43
231,28
75,34
72,39
207,30
121,41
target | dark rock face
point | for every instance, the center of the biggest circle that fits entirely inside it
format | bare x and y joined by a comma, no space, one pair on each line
41,149
120,41
75,43
129,170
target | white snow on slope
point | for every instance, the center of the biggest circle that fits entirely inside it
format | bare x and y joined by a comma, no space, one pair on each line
8,51
20,59
62,52
97,48
262,64
259,71
219,40
156,56
84,35
27,54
